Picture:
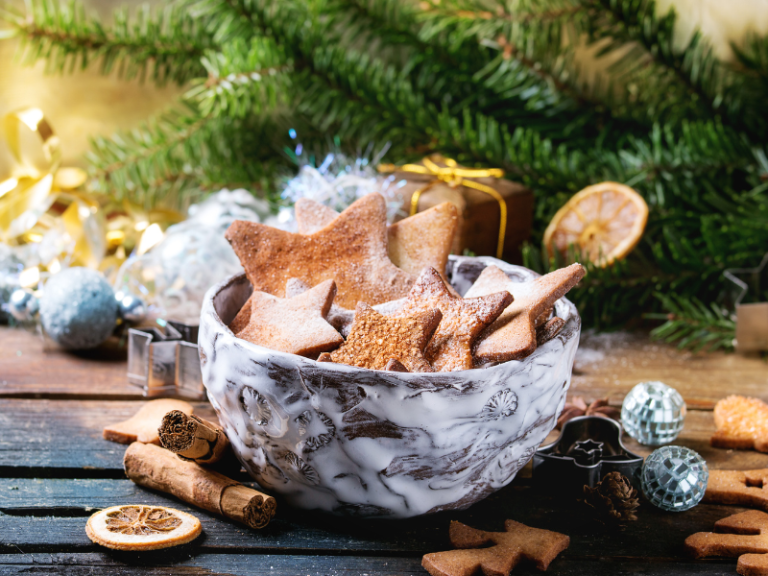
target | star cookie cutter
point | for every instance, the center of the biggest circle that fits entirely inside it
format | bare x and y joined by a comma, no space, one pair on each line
752,315
589,447
165,361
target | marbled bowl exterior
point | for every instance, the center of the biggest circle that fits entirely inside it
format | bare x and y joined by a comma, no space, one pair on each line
387,444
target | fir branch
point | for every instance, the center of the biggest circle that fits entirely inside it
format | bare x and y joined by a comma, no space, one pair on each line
165,46
671,84
753,55
134,163
243,79
693,324
182,151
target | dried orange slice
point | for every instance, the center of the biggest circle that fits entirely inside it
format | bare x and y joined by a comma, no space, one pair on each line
140,527
604,222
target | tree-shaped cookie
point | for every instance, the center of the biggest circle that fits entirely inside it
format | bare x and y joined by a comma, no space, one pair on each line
748,488
352,250
517,543
424,239
742,423
295,325
744,535
513,335
375,340
463,319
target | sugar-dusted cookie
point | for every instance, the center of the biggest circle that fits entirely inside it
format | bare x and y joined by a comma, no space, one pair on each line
352,250
506,549
743,535
548,330
742,423
338,317
421,240
295,325
738,487
513,335
375,340
463,319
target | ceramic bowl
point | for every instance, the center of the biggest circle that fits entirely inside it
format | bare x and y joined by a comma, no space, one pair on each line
369,443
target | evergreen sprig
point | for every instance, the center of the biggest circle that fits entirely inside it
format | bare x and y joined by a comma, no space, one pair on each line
693,324
488,82
166,45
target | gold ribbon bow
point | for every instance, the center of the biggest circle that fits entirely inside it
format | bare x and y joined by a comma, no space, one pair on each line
40,197
455,176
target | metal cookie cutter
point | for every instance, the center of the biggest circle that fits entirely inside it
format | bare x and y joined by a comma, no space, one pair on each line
750,288
165,362
589,447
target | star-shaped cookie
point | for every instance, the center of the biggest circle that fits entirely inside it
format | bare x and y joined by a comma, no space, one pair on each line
352,250
295,325
421,240
463,319
513,335
375,340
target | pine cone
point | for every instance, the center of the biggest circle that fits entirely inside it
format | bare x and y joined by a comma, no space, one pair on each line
614,500
578,407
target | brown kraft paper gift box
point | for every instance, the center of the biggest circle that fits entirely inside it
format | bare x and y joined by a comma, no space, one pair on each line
479,212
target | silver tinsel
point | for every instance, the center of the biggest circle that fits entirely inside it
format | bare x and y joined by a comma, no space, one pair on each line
174,275
337,182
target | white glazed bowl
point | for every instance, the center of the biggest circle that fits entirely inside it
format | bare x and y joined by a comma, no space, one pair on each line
369,443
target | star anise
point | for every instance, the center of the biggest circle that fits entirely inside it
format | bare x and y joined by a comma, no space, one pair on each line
578,407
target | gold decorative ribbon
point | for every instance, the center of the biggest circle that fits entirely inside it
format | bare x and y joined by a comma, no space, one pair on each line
455,176
40,197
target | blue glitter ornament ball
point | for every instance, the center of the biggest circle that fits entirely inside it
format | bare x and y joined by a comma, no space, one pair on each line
674,478
78,308
653,413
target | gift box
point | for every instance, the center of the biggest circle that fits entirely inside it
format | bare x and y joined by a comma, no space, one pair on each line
495,214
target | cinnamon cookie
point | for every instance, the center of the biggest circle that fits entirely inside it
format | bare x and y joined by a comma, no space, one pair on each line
352,250
295,325
450,348
375,340
513,335
421,240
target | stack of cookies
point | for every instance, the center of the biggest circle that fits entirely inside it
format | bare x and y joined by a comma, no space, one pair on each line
347,288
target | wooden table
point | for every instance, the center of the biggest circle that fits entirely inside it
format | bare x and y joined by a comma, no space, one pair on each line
55,470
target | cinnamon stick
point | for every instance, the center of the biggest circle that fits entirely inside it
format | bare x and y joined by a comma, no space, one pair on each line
193,438
154,467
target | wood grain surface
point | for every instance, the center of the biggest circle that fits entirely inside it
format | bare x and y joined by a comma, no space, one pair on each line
56,469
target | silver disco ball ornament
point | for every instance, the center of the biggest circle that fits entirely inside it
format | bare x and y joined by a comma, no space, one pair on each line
653,413
674,478
130,307
23,305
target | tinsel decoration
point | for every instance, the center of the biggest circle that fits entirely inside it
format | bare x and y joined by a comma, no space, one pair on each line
336,182
613,501
578,407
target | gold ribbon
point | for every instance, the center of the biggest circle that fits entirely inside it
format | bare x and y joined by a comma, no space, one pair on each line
40,196
455,176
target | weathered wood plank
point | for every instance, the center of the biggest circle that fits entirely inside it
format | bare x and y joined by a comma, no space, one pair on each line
180,561
610,364
656,534
26,370
59,437
607,365
63,438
